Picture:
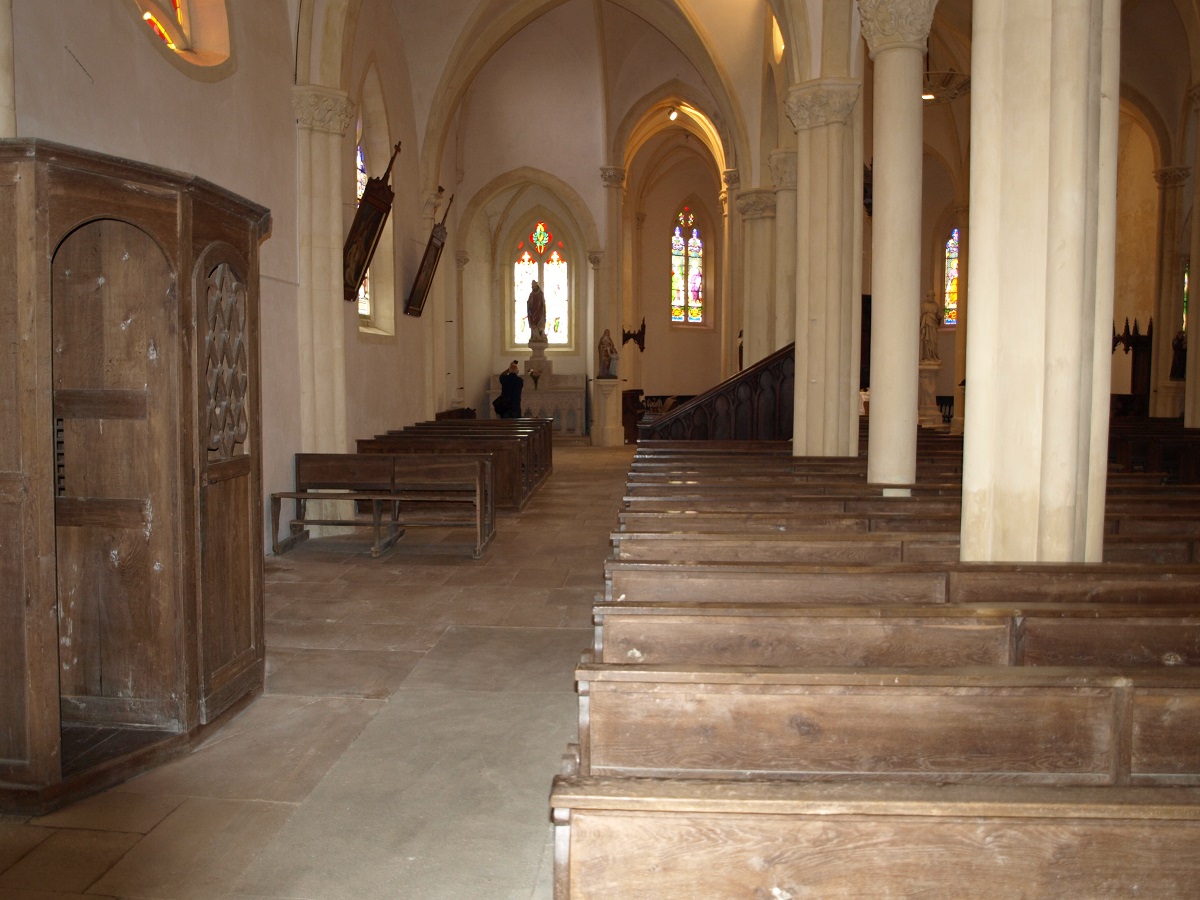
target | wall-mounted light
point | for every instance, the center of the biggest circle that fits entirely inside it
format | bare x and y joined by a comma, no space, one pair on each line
672,114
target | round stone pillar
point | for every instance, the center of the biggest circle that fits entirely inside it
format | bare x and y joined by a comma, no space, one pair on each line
783,175
896,32
757,209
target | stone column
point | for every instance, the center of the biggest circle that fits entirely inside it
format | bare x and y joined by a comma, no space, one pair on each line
896,32
828,197
732,312
1045,94
322,116
962,217
783,175
607,272
1166,396
8,88
757,208
461,258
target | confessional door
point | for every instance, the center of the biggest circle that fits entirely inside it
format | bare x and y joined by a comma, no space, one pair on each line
115,348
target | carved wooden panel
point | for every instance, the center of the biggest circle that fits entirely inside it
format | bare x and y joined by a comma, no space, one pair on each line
755,404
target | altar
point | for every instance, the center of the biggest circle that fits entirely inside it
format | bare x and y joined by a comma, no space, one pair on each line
546,395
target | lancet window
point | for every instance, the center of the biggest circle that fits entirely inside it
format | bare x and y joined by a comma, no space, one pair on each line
542,258
687,270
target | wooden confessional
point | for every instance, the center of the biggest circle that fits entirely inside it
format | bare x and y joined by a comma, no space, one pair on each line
131,531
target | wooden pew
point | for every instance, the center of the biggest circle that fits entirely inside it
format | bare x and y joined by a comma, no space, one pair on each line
642,838
1060,725
539,430
402,490
513,485
834,548
937,634
656,581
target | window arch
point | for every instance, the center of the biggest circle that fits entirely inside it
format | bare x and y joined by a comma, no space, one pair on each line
542,258
687,270
950,309
194,34
360,186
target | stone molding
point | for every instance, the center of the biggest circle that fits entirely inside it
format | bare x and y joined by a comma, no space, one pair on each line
892,24
816,104
322,108
612,176
756,204
783,169
1172,176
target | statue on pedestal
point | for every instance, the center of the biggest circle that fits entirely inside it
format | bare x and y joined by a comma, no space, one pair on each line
608,356
535,311
929,330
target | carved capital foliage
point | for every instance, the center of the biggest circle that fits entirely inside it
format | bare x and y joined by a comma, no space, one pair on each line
595,257
612,176
461,258
896,23
1193,96
756,204
816,104
322,108
433,203
732,179
1172,176
783,169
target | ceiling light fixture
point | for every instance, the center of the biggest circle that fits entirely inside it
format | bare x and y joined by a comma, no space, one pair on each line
672,114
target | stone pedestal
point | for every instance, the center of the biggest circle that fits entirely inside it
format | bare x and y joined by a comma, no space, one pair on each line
929,415
608,430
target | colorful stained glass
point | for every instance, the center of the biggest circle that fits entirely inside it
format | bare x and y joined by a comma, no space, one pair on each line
678,276
556,288
525,272
687,271
541,237
950,315
360,172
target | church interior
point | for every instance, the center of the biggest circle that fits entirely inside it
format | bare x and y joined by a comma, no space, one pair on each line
935,249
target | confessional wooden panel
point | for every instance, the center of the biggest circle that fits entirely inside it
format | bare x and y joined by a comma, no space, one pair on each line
130,478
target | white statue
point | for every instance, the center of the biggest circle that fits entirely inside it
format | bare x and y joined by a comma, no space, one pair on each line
929,330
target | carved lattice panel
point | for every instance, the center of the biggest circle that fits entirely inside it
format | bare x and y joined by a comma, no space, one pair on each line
226,367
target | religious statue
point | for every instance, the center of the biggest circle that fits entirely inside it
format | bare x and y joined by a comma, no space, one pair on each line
608,357
535,310
929,330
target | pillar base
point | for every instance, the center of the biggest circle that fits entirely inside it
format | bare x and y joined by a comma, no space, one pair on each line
929,415
607,430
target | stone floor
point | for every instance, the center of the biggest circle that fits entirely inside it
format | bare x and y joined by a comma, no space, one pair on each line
416,710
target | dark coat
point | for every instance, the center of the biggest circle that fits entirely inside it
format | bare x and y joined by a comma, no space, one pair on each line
511,385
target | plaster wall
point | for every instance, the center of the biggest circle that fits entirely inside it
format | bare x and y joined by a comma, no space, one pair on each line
537,103
389,378
679,359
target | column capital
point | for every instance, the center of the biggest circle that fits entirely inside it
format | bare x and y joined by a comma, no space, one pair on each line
892,24
783,169
595,257
461,258
1193,95
322,109
1172,176
756,204
612,176
732,179
815,104
433,202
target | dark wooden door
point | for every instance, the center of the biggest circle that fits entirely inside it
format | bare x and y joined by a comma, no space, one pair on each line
117,515
230,620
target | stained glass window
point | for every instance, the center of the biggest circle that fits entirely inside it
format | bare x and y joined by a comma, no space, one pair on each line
1186,267
364,289
551,272
170,30
950,316
687,270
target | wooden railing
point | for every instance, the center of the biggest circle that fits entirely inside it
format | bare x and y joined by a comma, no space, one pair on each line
754,404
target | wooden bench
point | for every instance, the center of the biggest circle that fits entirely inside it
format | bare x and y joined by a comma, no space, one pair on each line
1061,725
641,838
538,430
937,634
512,486
655,581
402,490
